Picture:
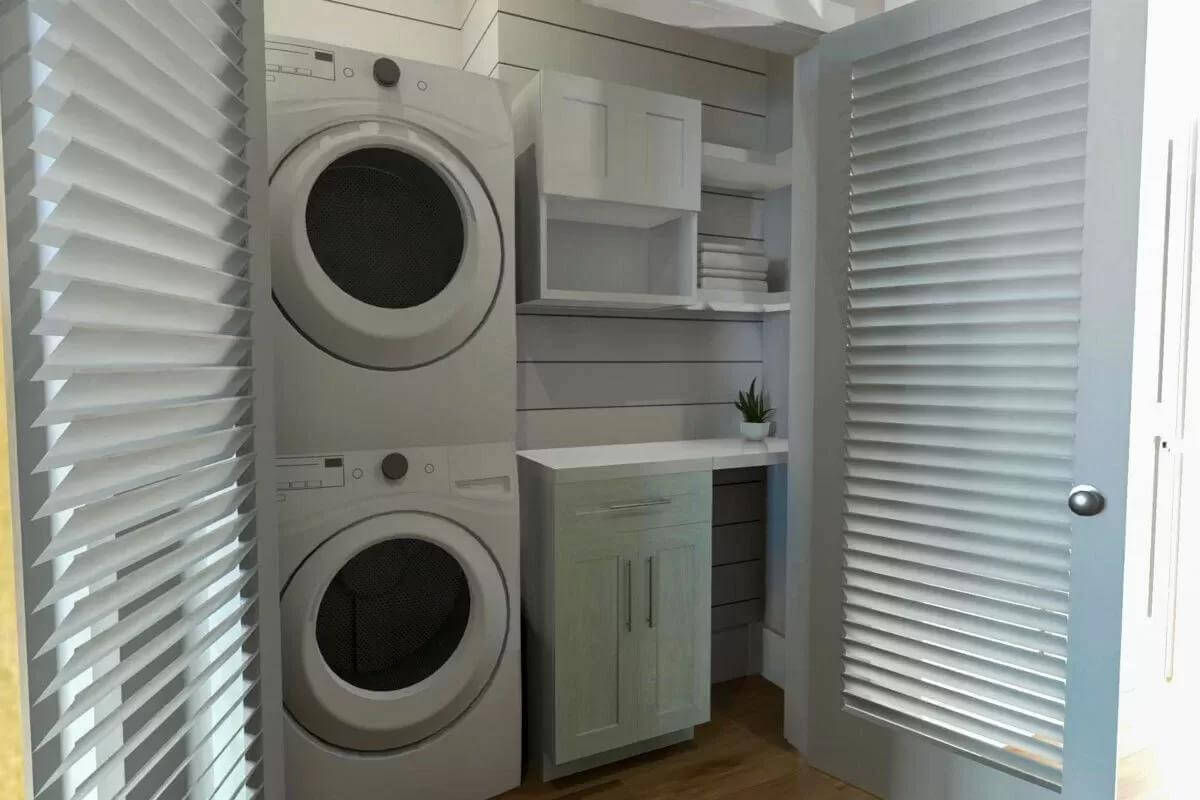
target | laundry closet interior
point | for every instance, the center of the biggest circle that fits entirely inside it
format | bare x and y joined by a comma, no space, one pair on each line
648,572
659,399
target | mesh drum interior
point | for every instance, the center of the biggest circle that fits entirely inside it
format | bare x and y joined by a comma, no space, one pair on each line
393,615
385,227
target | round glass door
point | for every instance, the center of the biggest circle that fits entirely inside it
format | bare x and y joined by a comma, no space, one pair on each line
393,615
386,248
391,629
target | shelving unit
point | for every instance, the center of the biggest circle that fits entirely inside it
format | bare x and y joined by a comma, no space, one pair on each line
741,302
738,169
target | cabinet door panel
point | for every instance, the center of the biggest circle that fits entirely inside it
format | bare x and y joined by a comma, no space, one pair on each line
676,619
663,146
595,660
584,126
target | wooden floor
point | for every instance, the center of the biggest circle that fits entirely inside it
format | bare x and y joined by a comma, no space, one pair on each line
740,754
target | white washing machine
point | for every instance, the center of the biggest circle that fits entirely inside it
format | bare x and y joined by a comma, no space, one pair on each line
392,251
400,623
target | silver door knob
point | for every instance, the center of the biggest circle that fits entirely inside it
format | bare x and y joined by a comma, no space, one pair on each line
1086,501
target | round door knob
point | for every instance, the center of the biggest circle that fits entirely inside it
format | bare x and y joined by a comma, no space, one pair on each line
1086,501
394,466
387,72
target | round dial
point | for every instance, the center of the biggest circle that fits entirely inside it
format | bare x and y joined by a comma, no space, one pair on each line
394,466
387,72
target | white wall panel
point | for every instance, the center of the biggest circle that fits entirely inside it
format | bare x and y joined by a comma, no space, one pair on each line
731,215
447,13
640,31
365,29
587,426
592,385
479,19
540,45
572,338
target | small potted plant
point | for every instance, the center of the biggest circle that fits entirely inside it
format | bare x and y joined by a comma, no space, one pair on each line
756,416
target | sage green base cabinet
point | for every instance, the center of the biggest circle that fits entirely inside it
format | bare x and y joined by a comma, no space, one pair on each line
616,599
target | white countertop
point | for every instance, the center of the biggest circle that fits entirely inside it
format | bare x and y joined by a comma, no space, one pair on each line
605,462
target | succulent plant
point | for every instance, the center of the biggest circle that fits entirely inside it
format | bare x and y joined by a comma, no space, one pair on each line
754,405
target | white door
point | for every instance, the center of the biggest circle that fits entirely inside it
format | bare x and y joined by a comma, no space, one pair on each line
134,179
977,244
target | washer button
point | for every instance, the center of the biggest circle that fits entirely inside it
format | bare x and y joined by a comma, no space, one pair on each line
429,469
422,85
357,473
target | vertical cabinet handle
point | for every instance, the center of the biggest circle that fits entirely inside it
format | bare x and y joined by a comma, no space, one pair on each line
629,596
650,591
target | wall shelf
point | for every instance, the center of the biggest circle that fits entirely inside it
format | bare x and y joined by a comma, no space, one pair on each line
738,169
742,302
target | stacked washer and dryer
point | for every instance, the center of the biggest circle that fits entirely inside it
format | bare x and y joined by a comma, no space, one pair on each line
391,236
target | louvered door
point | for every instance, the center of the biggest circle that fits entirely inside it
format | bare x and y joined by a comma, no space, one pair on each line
134,187
977,249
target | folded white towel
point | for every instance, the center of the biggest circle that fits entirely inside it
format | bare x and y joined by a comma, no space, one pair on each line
752,247
733,284
742,261
741,274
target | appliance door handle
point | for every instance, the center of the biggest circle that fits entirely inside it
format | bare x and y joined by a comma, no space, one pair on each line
650,591
629,595
652,503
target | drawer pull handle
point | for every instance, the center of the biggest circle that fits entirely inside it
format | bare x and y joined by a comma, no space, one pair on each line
650,591
658,501
629,595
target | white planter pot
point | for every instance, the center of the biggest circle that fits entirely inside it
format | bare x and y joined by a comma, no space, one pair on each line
756,431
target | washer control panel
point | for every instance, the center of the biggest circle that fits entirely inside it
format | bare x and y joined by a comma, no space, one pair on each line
366,472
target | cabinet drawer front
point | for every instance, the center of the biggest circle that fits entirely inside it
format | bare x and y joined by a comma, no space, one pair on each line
634,504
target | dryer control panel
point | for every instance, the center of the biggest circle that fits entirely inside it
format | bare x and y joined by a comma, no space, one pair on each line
289,58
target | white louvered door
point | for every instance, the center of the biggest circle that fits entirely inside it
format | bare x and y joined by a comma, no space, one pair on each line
977,251
134,146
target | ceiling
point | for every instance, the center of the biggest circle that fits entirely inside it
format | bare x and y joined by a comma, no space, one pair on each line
782,26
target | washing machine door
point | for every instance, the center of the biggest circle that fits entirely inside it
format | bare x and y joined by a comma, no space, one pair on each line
391,629
386,249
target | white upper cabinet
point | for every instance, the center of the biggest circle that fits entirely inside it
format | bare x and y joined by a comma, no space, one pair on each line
604,141
608,194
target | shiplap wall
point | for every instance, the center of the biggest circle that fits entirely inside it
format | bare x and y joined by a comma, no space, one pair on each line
424,30
606,380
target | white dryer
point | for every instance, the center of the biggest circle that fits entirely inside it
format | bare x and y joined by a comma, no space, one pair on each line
400,623
392,251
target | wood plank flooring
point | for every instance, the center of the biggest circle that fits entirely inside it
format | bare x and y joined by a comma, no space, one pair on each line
740,754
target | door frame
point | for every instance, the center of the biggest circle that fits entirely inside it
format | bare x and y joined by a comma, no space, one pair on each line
818,280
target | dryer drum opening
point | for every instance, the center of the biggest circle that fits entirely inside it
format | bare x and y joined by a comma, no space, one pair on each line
393,615
385,227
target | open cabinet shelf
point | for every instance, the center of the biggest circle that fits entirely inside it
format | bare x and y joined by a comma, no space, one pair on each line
739,169
741,302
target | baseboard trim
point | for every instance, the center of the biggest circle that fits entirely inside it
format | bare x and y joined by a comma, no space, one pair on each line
774,659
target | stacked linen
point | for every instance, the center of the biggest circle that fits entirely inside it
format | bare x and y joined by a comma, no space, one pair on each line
739,265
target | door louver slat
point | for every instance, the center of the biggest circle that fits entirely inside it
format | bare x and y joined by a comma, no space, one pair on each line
965,242
132,208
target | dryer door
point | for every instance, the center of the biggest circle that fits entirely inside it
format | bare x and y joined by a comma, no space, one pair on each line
391,629
386,249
